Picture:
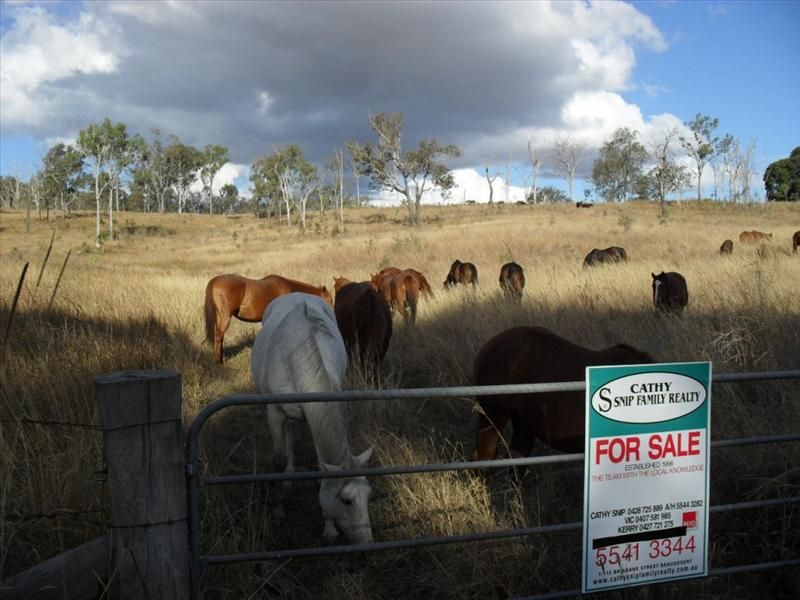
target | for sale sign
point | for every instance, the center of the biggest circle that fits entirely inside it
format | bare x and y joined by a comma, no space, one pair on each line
646,489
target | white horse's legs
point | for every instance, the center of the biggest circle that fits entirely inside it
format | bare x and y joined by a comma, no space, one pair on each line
282,454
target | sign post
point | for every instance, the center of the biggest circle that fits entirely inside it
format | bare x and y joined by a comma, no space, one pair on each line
646,463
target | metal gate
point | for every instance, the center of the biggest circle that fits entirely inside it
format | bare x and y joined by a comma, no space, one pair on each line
195,481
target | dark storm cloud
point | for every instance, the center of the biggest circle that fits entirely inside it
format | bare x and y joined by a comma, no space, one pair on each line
253,76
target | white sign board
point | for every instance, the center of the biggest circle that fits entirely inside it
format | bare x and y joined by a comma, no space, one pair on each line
646,463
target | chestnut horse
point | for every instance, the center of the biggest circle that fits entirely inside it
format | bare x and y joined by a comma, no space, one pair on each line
754,237
512,280
364,320
461,272
246,299
537,355
795,241
612,254
726,247
670,293
401,290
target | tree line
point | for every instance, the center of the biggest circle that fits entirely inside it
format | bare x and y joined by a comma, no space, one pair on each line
114,170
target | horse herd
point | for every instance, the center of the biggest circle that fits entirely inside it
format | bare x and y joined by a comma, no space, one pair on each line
756,237
306,338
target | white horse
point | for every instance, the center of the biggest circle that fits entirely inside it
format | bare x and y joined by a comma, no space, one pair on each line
300,349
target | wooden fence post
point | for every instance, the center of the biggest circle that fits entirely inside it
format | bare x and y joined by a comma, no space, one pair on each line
140,413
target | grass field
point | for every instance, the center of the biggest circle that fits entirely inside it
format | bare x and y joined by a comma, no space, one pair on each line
138,304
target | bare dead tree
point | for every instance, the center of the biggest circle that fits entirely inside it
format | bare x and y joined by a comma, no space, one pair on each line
568,153
536,163
490,180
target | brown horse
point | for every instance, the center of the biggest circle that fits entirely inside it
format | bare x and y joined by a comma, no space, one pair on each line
754,237
461,272
537,355
364,320
670,293
246,299
512,280
795,241
401,290
726,247
612,254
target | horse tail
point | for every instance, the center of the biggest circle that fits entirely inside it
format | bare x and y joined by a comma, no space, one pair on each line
210,312
413,287
424,286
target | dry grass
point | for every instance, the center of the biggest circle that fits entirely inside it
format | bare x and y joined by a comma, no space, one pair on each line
137,304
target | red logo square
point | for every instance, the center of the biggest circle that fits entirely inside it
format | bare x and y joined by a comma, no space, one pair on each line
690,519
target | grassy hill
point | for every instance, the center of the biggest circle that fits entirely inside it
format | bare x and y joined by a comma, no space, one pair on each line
137,303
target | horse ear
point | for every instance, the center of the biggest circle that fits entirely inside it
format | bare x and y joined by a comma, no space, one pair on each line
362,459
653,274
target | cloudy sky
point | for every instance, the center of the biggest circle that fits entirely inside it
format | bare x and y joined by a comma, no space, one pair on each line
487,76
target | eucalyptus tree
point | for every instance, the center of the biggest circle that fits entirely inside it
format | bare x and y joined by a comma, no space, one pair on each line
184,163
702,145
287,175
213,158
96,144
568,153
408,172
667,175
63,168
619,165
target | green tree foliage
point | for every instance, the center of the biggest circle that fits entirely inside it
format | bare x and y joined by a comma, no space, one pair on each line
409,172
548,194
619,165
702,146
782,178
183,163
98,145
213,157
63,175
284,175
229,198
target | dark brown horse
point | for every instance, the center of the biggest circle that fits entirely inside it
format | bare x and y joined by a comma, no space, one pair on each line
512,280
246,299
726,247
754,237
401,290
795,241
670,293
537,355
462,272
364,320
612,254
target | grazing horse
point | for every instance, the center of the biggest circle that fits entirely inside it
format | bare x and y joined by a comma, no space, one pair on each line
612,254
512,280
364,320
461,272
300,349
246,299
401,290
537,355
669,292
726,247
795,241
754,237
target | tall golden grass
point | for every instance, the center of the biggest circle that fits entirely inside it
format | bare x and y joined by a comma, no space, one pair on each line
137,304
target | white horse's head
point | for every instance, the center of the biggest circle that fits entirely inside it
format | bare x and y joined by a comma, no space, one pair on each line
344,502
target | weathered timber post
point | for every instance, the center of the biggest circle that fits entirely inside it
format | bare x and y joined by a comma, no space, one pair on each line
140,413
